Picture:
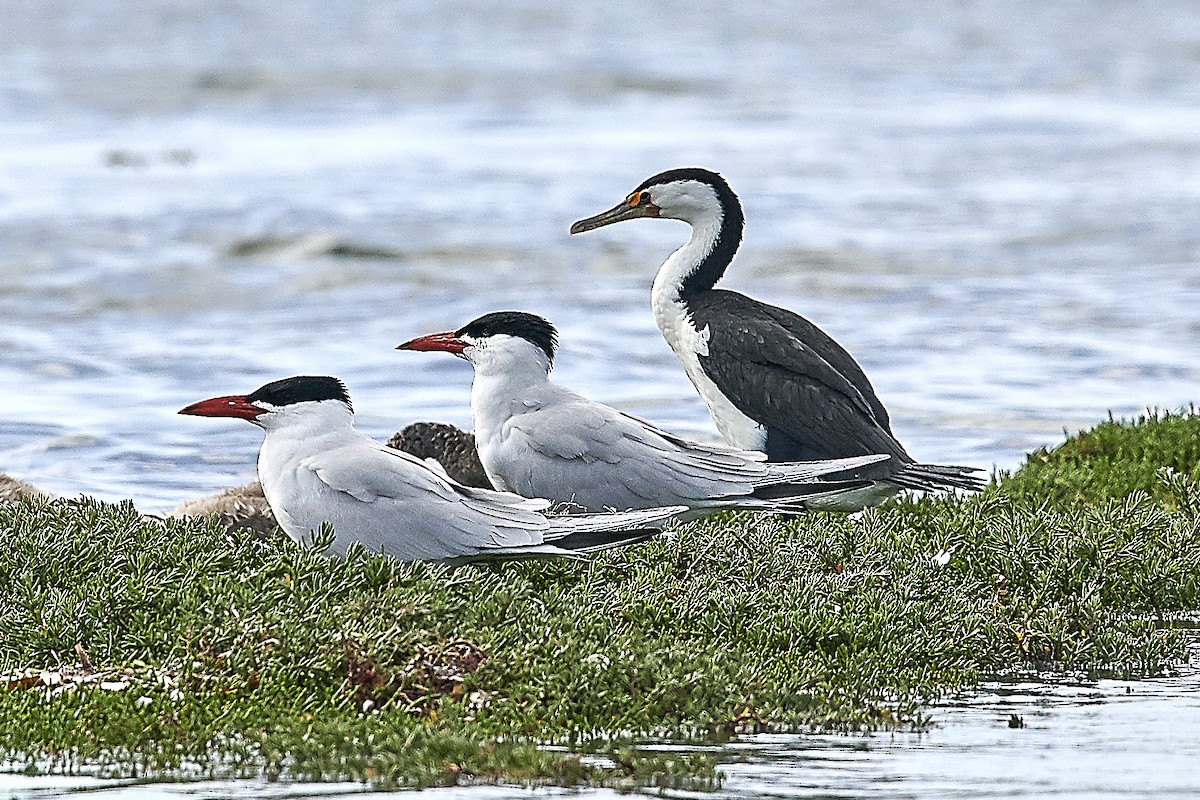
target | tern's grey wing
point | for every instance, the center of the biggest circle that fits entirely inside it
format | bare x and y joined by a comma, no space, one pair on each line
590,454
777,471
708,447
385,498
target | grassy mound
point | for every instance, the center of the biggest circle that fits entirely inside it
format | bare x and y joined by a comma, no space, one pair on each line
136,646
1112,460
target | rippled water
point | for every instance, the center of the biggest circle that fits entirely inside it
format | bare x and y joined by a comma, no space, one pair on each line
994,210
993,206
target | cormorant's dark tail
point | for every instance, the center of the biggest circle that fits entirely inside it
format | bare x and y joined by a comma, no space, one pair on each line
932,477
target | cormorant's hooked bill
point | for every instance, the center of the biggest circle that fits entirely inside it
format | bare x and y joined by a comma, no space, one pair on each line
635,206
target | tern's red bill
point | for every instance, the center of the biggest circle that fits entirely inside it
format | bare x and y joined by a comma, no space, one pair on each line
233,405
447,342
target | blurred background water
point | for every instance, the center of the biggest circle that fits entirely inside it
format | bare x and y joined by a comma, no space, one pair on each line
992,205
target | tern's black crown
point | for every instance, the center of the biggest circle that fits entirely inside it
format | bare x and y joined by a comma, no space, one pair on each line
530,327
301,389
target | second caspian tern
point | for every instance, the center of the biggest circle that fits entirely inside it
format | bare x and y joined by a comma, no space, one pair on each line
315,468
539,439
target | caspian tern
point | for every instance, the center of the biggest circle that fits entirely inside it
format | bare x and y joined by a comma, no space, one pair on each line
539,439
772,380
315,468
440,445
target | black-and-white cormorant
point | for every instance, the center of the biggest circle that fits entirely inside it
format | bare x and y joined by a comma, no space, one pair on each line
772,380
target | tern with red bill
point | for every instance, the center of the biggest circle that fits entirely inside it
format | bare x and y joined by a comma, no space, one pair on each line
772,380
539,439
315,468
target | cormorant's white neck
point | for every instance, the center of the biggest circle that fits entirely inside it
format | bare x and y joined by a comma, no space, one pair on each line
715,215
716,219
687,260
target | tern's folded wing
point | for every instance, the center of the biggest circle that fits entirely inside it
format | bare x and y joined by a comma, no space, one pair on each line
587,450
390,499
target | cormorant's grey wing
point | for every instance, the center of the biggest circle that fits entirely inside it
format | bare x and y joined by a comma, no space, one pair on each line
778,380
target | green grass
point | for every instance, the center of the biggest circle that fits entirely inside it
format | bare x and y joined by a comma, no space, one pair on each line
244,657
1111,461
